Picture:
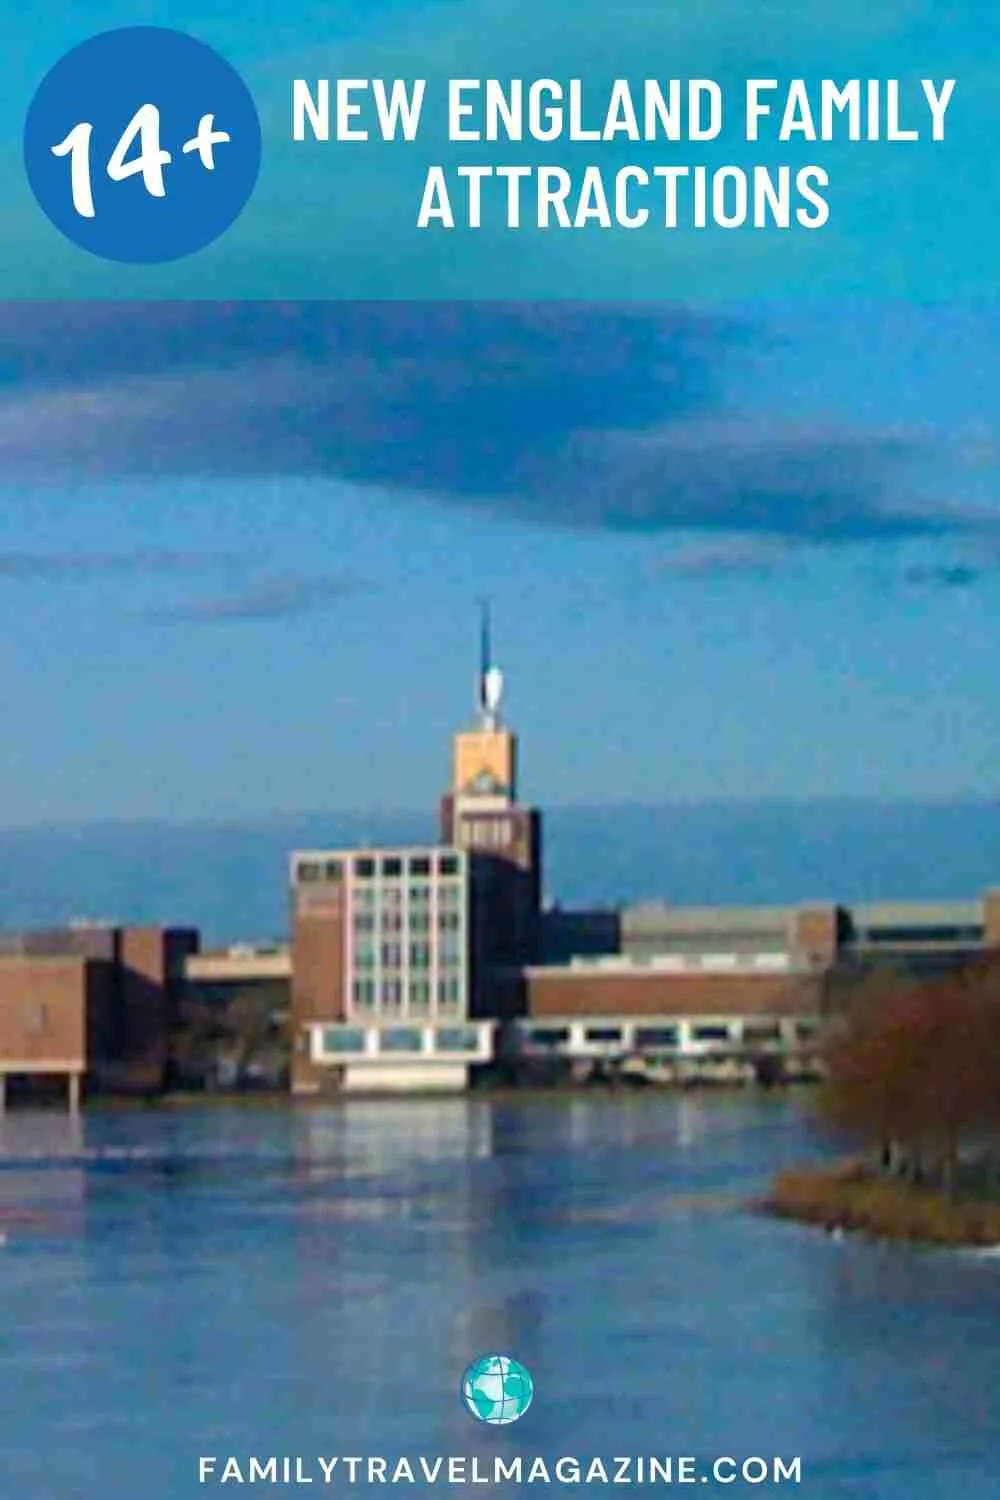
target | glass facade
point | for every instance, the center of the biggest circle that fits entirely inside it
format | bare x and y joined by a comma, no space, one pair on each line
457,1039
408,933
401,1039
343,1039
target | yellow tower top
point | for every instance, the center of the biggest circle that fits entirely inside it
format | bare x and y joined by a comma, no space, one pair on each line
485,758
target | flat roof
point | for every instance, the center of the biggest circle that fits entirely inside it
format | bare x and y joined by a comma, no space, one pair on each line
918,914
241,963
661,916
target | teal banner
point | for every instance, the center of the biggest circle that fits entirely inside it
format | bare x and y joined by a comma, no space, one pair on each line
637,151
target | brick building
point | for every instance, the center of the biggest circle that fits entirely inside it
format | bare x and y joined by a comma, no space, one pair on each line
91,1005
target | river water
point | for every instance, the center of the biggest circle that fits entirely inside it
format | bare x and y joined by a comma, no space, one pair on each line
311,1283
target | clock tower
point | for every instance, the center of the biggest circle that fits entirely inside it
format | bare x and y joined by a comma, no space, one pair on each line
481,812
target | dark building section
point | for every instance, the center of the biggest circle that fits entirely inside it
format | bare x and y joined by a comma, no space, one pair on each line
566,934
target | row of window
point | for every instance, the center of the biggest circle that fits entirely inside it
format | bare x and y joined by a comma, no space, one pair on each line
487,833
449,895
663,1036
903,935
448,951
395,1039
645,1036
419,921
372,866
417,993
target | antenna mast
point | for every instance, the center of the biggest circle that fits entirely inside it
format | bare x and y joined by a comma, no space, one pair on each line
490,676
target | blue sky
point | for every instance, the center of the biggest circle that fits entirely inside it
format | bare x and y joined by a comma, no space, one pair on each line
743,551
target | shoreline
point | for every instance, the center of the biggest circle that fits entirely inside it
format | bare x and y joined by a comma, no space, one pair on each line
506,1093
848,1197
268,1099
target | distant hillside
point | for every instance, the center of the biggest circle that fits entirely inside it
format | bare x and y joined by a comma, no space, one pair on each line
231,879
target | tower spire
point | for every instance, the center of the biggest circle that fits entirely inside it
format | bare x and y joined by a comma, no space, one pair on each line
485,650
490,676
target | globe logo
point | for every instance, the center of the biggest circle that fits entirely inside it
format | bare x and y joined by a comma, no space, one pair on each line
496,1389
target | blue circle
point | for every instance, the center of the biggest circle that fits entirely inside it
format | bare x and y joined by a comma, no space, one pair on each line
497,1389
186,93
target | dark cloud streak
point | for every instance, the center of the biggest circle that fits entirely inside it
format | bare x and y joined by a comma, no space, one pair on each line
79,566
281,597
598,417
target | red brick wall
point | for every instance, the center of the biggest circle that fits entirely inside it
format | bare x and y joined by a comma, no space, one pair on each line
43,1012
564,993
318,939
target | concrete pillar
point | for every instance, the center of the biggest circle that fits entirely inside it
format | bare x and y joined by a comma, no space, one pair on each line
74,1093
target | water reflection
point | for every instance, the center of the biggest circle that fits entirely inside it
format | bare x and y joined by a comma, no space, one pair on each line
316,1280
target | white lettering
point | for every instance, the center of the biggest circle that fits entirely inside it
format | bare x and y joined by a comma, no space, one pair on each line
435,203
474,177
938,99
347,110
554,184
400,107
756,107
315,110
458,110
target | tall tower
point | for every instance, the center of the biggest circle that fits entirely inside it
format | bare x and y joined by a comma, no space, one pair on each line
484,761
481,812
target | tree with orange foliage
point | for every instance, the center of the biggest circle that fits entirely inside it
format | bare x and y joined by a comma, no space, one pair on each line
914,1069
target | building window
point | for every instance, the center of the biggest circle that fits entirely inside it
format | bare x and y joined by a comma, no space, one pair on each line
449,921
364,994
420,955
457,1039
420,864
364,898
333,870
710,1033
401,1039
364,955
756,1033
448,864
656,1036
392,921
420,995
550,1036
449,992
364,921
392,896
420,921
392,955
449,948
364,867
392,866
343,1039
903,935
603,1033
308,870
449,896
420,895
489,833
392,994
